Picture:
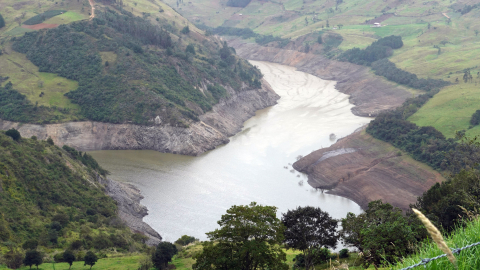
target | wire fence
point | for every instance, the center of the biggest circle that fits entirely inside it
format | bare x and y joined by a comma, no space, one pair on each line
427,260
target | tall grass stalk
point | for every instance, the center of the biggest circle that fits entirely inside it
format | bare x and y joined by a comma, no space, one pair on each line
466,259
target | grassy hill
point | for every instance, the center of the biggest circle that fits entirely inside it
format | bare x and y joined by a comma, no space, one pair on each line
440,40
51,197
133,62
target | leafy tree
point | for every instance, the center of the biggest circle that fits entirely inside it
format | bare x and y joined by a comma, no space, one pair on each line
33,257
185,240
382,233
13,259
13,133
90,259
163,254
50,141
2,21
248,239
307,229
68,257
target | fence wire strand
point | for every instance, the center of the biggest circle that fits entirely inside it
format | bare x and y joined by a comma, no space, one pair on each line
427,260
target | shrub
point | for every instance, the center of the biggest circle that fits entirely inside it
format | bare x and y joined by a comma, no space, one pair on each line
344,253
13,133
2,21
475,120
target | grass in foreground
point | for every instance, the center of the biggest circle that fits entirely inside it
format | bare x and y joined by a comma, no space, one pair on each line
467,259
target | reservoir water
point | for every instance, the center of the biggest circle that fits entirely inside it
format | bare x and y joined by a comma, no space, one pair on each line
188,195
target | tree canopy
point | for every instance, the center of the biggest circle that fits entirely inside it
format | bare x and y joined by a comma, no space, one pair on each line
248,239
307,229
33,257
163,254
382,233
90,259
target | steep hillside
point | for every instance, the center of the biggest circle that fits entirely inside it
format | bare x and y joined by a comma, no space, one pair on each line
126,65
55,197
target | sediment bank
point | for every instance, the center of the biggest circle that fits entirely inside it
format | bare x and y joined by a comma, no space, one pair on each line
369,93
364,169
224,120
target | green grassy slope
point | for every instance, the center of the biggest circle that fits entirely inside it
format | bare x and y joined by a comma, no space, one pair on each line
52,196
121,67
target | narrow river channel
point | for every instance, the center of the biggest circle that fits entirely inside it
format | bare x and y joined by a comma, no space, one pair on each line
187,195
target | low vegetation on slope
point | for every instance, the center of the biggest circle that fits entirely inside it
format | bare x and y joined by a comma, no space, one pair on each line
50,199
132,70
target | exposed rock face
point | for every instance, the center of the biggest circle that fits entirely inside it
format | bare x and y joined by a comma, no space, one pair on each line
369,93
225,119
129,208
365,169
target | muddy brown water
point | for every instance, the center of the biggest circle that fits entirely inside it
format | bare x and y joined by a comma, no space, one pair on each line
188,195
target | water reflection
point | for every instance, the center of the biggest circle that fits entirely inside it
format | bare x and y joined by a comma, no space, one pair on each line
187,195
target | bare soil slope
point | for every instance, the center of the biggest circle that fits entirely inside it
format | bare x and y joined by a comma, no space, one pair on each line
364,169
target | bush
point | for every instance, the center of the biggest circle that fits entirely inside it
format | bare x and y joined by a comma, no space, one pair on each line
13,133
344,253
185,240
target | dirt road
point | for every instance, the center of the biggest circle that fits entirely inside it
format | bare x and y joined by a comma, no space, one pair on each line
93,9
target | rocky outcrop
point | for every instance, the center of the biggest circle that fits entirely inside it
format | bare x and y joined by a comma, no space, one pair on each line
225,119
130,210
369,93
365,169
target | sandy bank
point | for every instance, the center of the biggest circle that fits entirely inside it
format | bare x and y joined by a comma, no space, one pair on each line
364,169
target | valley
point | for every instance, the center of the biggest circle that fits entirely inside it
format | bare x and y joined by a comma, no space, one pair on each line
363,109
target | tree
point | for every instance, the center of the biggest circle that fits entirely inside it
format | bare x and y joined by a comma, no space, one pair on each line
33,257
163,254
248,239
340,26
90,259
50,141
69,257
185,240
382,233
2,21
190,49
13,133
185,30
309,228
476,32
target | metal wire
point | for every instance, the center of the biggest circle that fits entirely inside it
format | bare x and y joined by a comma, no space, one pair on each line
427,260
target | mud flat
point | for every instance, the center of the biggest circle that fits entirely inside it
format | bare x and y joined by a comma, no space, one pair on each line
364,169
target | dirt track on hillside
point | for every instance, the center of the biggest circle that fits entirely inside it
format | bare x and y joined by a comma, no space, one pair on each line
92,3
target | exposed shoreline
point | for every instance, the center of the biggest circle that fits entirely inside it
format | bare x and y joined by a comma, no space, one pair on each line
224,120
357,167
